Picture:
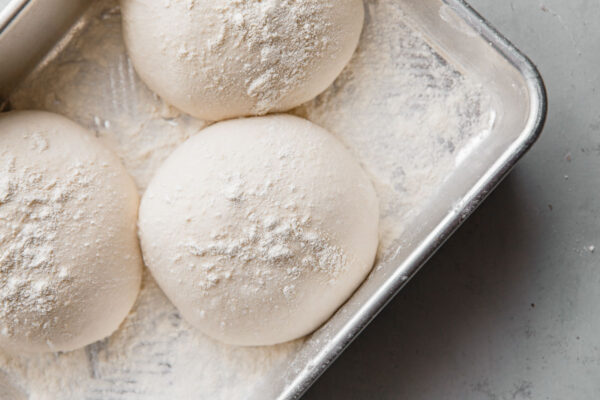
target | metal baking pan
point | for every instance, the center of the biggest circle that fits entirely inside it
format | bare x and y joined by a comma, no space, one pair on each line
33,33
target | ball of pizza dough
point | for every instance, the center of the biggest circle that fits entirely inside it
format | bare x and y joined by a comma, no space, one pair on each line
69,257
258,229
224,58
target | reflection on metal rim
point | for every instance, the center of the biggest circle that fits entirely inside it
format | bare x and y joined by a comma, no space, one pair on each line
488,182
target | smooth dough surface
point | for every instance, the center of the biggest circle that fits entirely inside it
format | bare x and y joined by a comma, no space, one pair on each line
70,262
218,59
258,229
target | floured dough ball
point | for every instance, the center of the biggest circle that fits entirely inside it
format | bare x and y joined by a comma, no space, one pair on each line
258,229
219,59
70,264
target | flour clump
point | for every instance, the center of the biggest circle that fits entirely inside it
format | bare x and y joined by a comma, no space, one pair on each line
258,229
229,58
70,265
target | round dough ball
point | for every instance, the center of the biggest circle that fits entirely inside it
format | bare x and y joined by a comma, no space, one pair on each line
69,258
258,229
217,59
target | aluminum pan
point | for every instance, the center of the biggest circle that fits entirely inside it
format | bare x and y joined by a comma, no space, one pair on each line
531,131
483,51
28,30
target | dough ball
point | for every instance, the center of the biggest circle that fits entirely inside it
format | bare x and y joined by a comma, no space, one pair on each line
217,59
258,229
69,259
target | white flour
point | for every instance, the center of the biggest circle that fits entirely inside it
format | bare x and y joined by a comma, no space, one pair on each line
401,109
27,255
268,240
27,249
279,71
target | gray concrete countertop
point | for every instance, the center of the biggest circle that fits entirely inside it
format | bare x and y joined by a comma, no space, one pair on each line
510,307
